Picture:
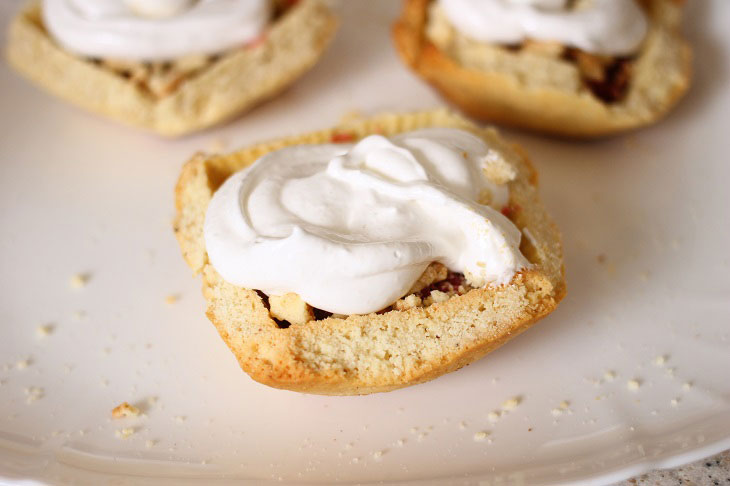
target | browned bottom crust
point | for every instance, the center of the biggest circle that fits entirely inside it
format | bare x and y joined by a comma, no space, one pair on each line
661,75
363,354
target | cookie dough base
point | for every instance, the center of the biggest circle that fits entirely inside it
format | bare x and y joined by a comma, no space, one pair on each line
363,354
514,95
233,83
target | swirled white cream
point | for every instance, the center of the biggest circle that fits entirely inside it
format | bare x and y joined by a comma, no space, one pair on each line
609,27
153,30
351,228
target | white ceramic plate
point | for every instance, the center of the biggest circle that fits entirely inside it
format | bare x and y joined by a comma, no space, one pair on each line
79,194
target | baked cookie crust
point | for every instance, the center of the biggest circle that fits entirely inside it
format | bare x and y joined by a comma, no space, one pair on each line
361,354
227,86
528,92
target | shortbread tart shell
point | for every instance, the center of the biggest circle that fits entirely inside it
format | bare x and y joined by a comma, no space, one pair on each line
232,83
378,352
522,90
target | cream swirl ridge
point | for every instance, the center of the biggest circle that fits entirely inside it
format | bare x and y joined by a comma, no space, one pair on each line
350,228
154,30
609,27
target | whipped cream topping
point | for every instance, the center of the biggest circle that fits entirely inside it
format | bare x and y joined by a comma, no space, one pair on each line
350,228
608,27
154,30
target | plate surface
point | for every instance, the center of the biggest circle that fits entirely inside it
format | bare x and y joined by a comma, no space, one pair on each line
646,227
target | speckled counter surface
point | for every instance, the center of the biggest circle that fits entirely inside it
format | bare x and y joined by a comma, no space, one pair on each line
712,471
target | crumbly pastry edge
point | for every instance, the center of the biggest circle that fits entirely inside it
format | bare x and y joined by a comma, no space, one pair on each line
233,83
363,354
662,74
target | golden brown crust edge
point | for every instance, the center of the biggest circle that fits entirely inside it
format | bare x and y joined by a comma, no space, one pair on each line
233,83
376,352
502,98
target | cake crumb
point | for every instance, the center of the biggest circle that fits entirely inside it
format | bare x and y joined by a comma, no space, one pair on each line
377,455
44,330
512,403
494,416
79,280
564,405
674,402
124,433
687,385
481,436
124,410
670,372
179,418
171,299
33,394
437,296
556,412
633,385
23,363
400,442
660,360
609,375
150,443
462,425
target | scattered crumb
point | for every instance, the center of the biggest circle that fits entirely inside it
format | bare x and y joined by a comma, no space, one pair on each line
377,455
462,425
33,394
609,375
414,430
437,296
422,436
511,404
481,436
79,315
670,372
600,397
124,433
124,410
152,401
654,412
687,385
171,299
556,412
355,460
633,385
400,442
78,280
494,416
179,418
674,402
23,363
564,405
149,443
44,330
660,360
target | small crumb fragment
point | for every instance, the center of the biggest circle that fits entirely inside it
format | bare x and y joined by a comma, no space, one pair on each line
462,425
556,412
494,416
78,281
150,443
79,315
377,455
23,363
171,299
414,430
674,402
660,360
670,372
124,433
564,405
437,296
44,330
687,385
609,375
152,401
33,394
511,404
124,410
400,442
179,418
633,385
481,436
